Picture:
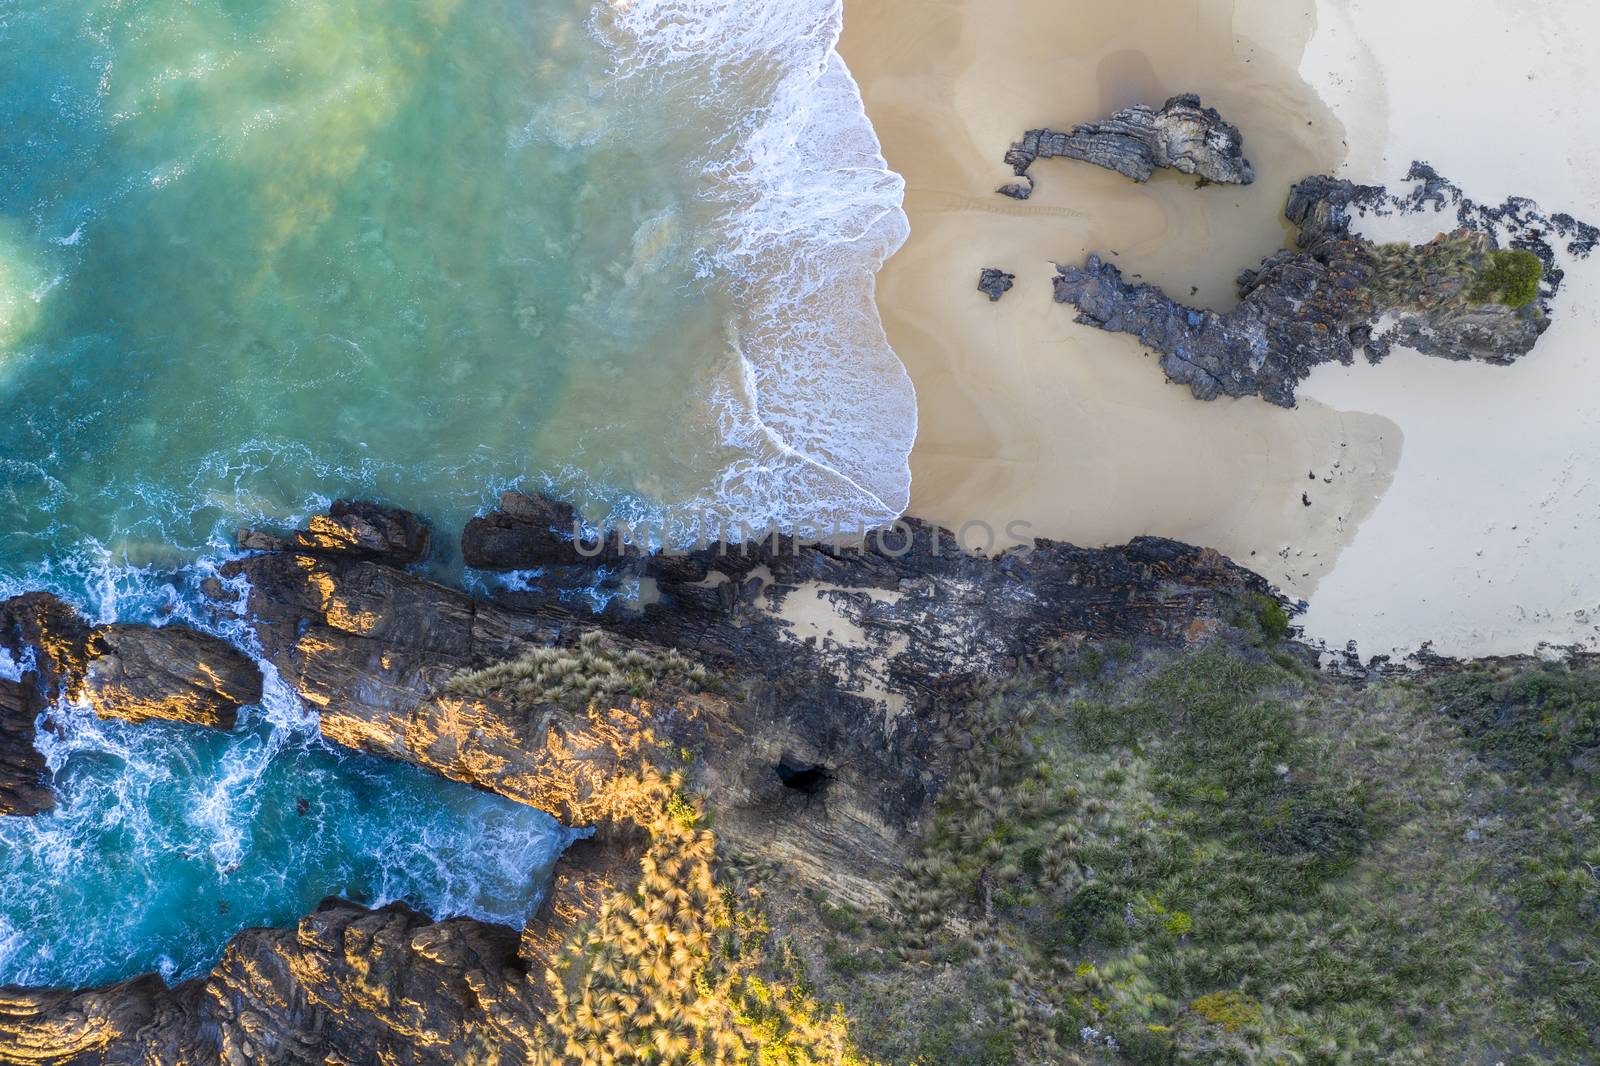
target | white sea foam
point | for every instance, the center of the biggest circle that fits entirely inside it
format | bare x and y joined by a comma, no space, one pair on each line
140,802
823,412
11,669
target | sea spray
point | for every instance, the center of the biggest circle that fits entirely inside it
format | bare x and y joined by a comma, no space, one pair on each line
273,253
167,839
166,842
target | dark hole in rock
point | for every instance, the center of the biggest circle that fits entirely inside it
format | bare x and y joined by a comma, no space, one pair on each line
808,778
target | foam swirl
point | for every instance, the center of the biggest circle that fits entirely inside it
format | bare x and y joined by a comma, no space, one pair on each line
823,413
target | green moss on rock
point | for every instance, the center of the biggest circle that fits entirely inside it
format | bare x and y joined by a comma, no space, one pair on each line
1510,277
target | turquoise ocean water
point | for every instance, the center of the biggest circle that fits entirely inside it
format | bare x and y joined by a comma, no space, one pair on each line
257,254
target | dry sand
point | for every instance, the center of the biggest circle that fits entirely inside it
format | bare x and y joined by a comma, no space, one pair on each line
1025,415
1486,544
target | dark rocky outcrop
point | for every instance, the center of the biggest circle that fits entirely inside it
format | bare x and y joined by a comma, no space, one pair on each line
819,758
1332,296
45,639
1017,190
23,789
346,984
129,671
1518,216
533,532
995,283
372,647
355,528
1182,135
140,673
49,639
1266,345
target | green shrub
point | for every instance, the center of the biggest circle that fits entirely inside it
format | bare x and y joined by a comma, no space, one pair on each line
1510,277
1316,825
1540,721
1273,618
1261,614
1216,860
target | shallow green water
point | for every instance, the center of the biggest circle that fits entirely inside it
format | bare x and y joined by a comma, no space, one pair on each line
258,254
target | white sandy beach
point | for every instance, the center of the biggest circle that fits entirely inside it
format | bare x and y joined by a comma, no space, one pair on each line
1412,468
1485,542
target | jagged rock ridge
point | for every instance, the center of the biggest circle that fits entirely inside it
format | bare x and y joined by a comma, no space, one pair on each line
1337,294
1182,135
356,528
124,670
804,766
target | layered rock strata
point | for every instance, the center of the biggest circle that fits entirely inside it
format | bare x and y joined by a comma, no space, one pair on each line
24,789
129,671
1181,135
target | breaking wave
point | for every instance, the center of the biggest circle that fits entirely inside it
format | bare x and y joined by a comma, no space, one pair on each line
167,839
821,412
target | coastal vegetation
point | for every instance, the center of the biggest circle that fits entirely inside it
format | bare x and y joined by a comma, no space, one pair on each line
1511,277
573,676
1406,273
1223,857
1175,842
1458,267
1151,857
683,969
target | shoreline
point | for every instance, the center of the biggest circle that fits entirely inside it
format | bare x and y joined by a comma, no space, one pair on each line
1026,416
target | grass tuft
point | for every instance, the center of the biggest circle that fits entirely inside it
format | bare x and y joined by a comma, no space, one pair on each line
1205,858
573,677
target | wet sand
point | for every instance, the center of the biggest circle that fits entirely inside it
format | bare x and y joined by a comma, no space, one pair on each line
1025,415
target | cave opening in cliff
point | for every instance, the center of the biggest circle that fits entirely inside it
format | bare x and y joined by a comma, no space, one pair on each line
806,778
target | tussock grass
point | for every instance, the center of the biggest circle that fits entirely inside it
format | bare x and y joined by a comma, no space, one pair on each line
1455,269
684,969
572,677
1208,858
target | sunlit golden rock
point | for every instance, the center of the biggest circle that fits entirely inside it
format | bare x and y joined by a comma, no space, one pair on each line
141,673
